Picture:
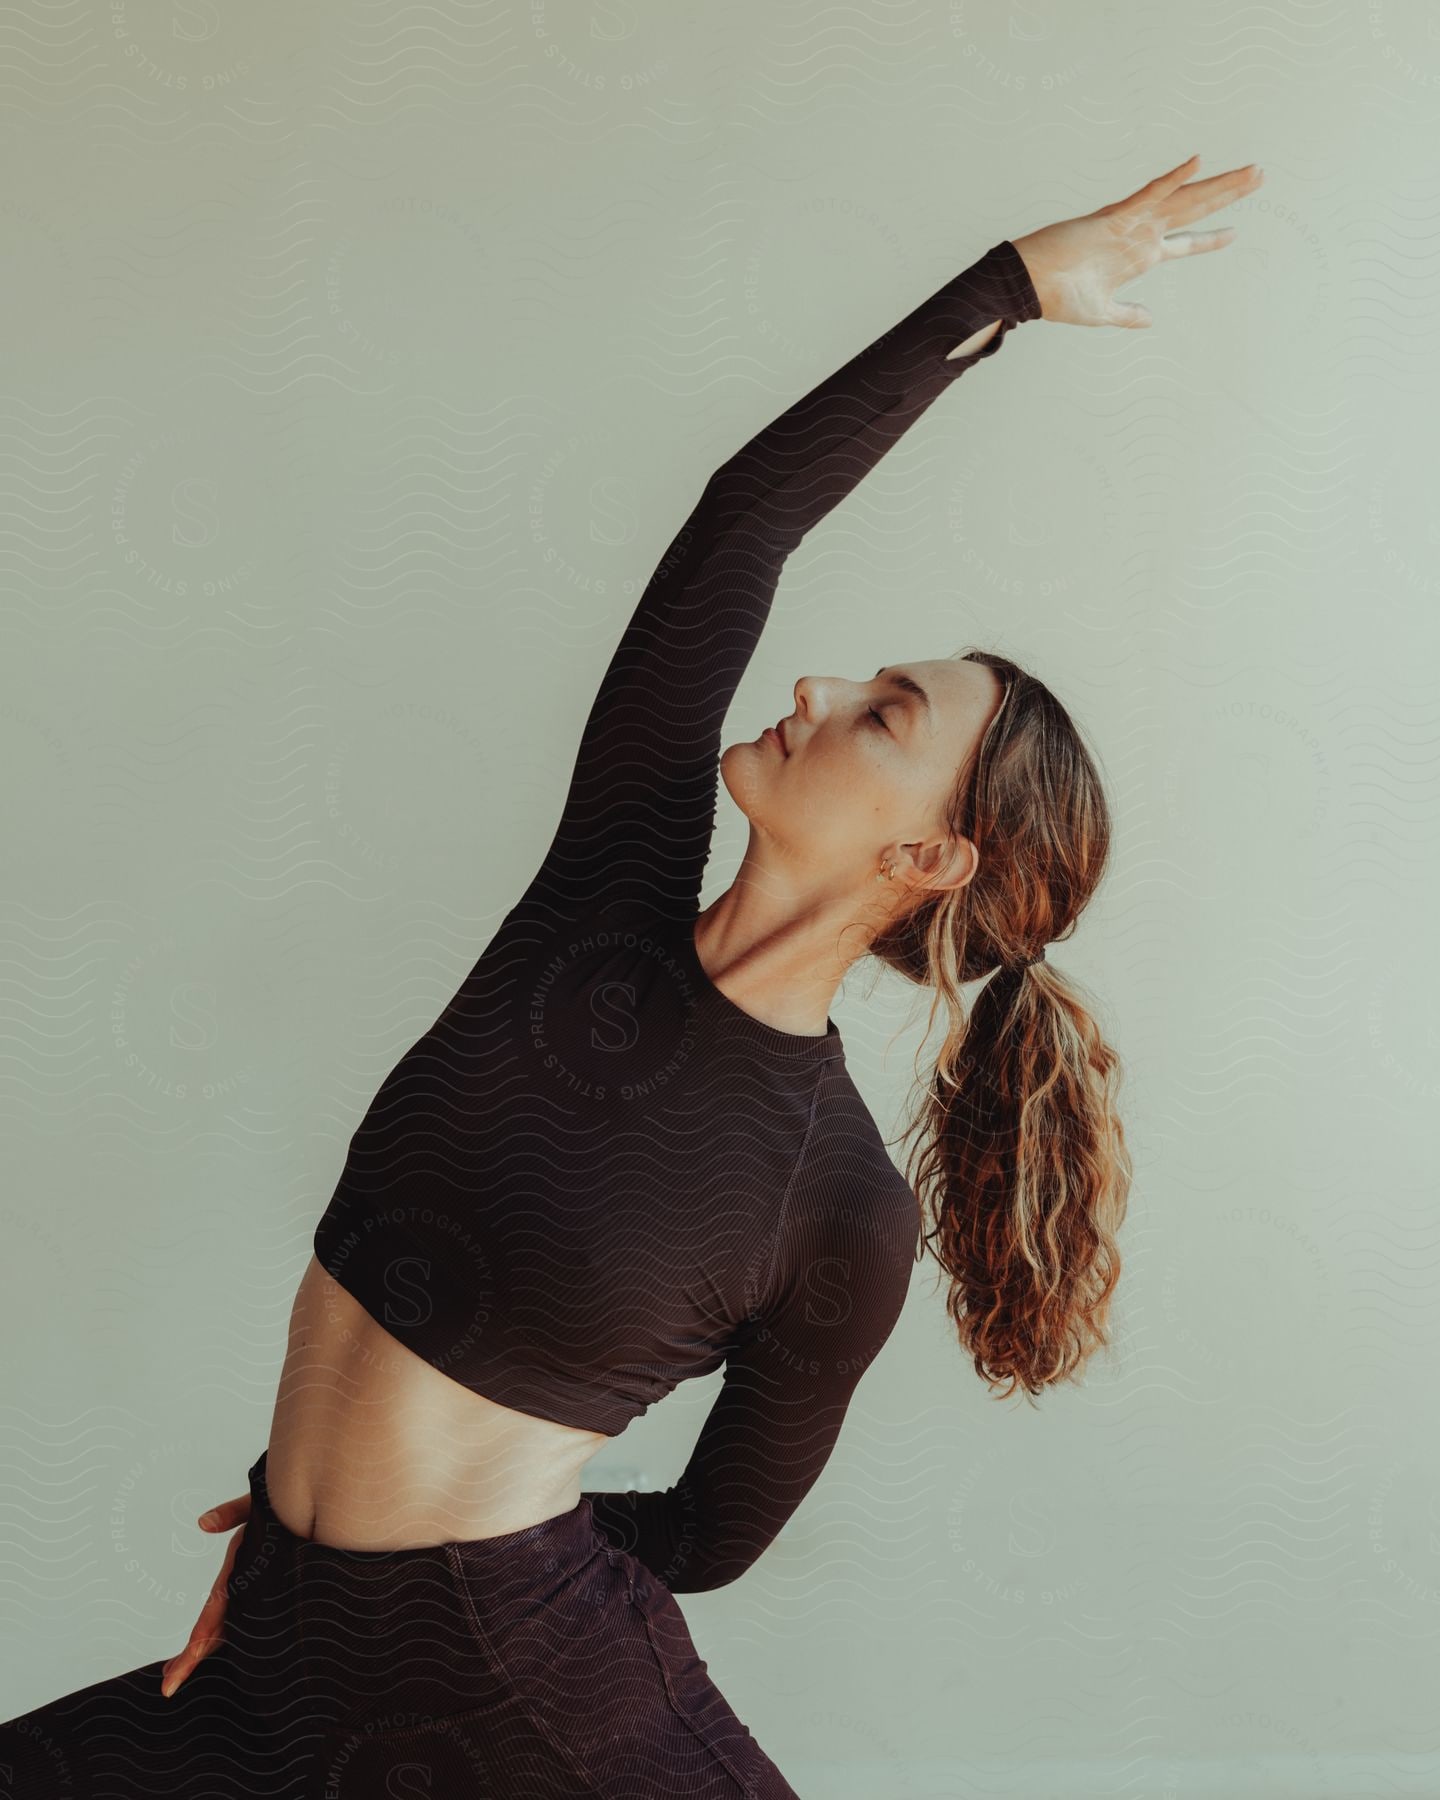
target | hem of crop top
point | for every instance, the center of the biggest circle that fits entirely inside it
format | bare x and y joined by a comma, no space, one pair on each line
614,1408
800,1045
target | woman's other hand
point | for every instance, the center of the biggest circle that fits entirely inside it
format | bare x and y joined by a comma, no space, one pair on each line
207,1632
1077,265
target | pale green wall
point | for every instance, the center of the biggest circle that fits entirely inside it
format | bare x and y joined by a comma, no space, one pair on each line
360,366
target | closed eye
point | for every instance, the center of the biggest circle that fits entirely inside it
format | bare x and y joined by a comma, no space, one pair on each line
878,719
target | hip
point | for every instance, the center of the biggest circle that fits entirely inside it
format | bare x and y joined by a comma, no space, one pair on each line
537,1661
542,1664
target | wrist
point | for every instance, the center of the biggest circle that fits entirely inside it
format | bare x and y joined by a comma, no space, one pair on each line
976,341
1033,262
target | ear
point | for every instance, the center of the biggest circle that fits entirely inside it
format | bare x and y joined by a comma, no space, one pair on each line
939,864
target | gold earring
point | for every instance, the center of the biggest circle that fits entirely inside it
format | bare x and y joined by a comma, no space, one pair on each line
885,871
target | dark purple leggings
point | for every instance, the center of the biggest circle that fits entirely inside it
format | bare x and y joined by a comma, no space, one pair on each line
541,1663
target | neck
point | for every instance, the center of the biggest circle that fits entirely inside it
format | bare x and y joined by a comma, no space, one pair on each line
777,955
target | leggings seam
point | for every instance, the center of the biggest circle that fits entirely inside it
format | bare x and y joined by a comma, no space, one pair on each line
457,1572
682,1712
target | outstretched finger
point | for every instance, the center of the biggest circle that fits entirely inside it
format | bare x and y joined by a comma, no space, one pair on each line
1194,243
205,1634
228,1513
1201,197
1129,313
205,1637
208,1629
1161,186
183,1664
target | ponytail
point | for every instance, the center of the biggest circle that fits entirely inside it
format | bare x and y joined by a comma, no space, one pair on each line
1019,1159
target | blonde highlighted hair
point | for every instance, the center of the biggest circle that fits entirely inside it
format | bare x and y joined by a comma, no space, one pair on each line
1019,1158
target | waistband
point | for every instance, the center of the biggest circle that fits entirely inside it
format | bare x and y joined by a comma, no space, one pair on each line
574,1531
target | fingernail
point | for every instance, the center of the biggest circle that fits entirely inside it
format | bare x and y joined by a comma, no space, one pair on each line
207,1518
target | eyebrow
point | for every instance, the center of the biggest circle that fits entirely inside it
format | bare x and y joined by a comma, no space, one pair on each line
910,686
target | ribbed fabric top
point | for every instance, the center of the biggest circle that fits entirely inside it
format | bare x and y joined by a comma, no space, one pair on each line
721,1012
596,1176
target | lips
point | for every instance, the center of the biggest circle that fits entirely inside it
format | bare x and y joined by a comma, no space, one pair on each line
778,732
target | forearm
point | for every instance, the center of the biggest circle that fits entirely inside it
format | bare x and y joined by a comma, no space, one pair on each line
640,807
651,1527
802,464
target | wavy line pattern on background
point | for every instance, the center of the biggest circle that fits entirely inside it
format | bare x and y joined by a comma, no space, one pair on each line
364,363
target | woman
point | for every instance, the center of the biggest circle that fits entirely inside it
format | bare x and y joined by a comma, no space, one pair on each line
629,1152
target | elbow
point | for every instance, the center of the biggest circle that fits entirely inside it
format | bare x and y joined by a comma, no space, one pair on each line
705,1579
692,1575
703,1573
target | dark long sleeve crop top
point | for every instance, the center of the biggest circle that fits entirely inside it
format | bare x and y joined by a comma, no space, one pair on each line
595,1176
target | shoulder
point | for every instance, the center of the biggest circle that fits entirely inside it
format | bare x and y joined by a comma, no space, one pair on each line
844,1268
851,1207
848,1173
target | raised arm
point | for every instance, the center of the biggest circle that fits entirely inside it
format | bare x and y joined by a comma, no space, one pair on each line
839,1285
641,804
640,809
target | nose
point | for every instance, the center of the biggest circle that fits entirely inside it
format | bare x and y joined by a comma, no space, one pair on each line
810,694
816,694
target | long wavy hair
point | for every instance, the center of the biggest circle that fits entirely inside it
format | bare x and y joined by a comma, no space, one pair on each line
1019,1159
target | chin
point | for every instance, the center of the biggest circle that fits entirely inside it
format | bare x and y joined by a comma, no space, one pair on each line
745,770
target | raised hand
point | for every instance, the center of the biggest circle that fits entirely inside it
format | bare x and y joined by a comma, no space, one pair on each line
207,1632
1077,265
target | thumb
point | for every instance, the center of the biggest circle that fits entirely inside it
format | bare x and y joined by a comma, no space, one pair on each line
1129,313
